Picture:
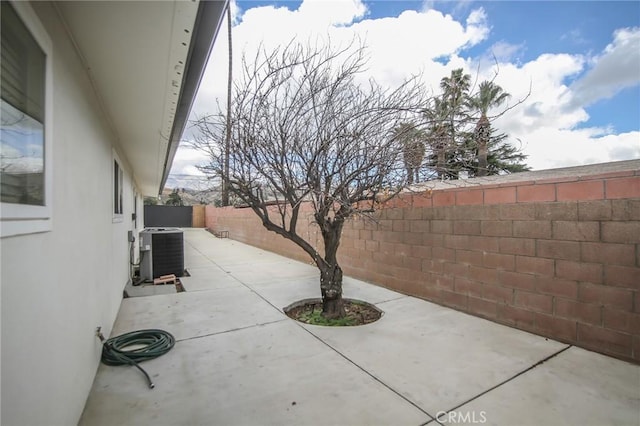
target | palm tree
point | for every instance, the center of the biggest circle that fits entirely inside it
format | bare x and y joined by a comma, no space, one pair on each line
450,117
440,134
489,95
412,141
503,157
454,91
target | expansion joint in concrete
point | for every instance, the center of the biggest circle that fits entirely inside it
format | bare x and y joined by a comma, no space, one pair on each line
230,331
542,361
368,373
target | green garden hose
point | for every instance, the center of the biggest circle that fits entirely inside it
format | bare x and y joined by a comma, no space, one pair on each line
145,345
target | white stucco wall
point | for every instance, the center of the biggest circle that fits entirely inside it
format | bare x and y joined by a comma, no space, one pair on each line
58,286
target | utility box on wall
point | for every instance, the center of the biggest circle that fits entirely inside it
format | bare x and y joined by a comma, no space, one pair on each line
161,252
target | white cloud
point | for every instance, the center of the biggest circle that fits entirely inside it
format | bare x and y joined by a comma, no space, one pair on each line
550,147
550,122
503,51
546,105
184,162
547,122
459,6
398,46
617,68
333,11
575,36
477,26
427,5
236,12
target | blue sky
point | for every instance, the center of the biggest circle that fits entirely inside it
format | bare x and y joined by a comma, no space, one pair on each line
574,27
537,27
580,58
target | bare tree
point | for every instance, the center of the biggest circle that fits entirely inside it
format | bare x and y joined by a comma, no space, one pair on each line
305,131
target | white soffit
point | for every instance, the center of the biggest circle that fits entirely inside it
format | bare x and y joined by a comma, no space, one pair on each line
135,52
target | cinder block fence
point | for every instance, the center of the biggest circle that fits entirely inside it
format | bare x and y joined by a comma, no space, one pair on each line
556,253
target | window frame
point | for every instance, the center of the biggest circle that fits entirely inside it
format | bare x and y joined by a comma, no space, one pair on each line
135,213
117,189
20,219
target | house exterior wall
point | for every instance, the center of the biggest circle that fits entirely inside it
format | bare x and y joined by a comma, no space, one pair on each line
559,256
58,286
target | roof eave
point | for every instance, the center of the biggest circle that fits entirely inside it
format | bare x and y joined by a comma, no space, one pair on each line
205,29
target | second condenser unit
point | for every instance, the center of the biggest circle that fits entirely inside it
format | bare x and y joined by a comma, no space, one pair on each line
161,252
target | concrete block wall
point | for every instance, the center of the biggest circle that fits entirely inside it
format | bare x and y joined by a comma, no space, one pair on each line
244,226
557,256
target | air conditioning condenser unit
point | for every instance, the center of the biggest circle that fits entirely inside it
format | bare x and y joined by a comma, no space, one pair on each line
161,252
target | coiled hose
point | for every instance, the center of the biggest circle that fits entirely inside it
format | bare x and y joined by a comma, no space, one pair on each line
146,344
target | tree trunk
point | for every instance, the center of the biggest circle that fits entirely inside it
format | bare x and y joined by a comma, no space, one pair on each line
440,164
330,271
482,159
331,288
483,133
440,144
409,175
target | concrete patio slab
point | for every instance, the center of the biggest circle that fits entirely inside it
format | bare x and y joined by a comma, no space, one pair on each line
271,270
435,356
286,291
281,293
274,374
149,289
577,387
226,252
356,289
208,278
192,314
197,259
240,361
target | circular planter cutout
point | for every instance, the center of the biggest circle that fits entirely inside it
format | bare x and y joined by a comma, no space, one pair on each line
309,311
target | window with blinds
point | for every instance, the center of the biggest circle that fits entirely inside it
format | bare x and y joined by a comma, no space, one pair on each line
22,144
